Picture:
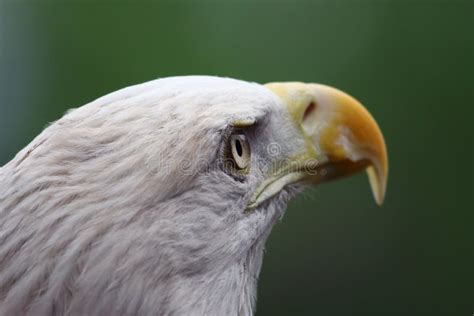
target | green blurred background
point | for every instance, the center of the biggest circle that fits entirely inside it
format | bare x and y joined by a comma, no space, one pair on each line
409,62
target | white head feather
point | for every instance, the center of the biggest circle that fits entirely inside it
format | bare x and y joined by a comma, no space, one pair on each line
121,208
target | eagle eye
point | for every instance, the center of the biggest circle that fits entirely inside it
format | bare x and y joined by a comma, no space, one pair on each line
240,151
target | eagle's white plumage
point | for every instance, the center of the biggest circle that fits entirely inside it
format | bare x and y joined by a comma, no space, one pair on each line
123,206
103,214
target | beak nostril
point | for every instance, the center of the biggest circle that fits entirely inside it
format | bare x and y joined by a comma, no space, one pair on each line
309,110
309,118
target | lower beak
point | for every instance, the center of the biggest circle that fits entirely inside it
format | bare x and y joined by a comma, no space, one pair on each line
340,134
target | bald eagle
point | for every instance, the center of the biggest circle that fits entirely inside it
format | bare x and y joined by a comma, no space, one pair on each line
157,199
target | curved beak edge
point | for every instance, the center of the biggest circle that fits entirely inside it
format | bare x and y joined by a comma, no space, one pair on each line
339,132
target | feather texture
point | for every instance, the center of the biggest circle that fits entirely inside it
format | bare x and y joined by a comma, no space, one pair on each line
110,212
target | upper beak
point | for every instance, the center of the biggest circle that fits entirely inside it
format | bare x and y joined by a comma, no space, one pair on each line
340,134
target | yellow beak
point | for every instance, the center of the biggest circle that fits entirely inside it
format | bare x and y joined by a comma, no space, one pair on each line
340,134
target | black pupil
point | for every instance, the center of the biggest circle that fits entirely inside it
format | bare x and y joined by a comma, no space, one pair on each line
238,147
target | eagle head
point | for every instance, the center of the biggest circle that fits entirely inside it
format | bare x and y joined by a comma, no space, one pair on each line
157,199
